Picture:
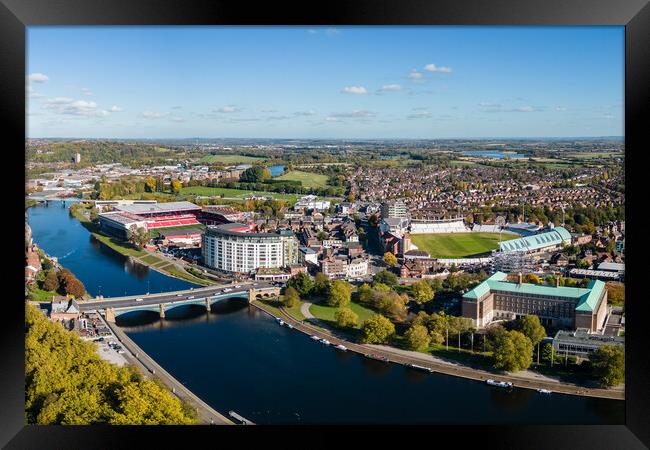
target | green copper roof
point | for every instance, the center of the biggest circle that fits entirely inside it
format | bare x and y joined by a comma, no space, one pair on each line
536,241
586,298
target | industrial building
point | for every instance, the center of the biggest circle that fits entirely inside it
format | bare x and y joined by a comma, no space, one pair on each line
497,299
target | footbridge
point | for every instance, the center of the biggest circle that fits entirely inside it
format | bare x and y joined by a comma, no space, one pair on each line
161,302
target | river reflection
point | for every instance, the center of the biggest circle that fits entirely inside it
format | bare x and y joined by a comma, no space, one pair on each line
238,358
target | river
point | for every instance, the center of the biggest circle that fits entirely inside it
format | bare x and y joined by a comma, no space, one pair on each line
238,358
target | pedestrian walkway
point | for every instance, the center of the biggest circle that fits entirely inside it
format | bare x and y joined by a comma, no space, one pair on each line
304,309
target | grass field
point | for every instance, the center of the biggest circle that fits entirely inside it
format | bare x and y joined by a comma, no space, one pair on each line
326,313
308,179
168,231
459,245
233,193
229,159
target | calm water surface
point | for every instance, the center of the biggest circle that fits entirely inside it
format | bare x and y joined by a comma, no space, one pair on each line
238,358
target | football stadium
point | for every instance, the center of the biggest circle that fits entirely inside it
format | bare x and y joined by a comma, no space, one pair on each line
459,245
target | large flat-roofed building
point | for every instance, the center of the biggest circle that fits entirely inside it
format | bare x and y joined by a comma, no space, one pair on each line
541,242
233,247
217,215
581,344
497,299
149,216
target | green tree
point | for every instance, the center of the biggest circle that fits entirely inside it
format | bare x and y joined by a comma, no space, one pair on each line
176,186
531,327
255,174
422,291
340,293
377,330
546,353
321,284
51,281
346,318
150,184
390,259
385,277
322,235
532,278
512,351
417,337
608,363
291,297
94,215
301,283
138,236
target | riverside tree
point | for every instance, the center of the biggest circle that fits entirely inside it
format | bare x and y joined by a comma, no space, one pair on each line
340,293
346,318
512,351
138,236
608,363
377,330
531,327
51,281
69,284
417,337
291,297
301,283
321,284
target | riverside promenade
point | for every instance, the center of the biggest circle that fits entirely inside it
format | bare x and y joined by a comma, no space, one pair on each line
398,356
206,414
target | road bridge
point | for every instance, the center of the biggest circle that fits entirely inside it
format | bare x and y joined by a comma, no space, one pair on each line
161,302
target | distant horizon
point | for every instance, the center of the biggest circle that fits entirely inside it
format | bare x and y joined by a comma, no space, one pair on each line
546,138
347,82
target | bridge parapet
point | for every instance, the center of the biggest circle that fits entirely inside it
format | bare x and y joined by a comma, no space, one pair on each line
266,292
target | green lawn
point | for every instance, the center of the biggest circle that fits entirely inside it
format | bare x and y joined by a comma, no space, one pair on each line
308,179
150,259
233,193
184,275
156,232
230,159
459,245
326,313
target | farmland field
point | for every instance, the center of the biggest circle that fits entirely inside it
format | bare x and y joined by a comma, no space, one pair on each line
459,245
308,179
230,159
233,193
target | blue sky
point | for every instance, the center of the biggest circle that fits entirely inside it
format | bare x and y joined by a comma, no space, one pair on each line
325,82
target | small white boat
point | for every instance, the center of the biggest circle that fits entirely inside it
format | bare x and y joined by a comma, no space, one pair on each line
342,347
325,341
289,325
281,322
543,391
502,384
316,338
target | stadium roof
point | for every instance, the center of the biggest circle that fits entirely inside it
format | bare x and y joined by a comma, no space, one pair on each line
157,207
586,298
557,236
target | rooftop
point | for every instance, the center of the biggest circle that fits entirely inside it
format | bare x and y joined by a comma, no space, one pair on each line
581,336
557,236
157,207
586,298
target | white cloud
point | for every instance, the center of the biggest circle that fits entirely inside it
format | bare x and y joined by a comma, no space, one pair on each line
115,108
311,112
51,102
390,88
560,108
352,115
525,109
359,90
154,114
419,115
489,105
228,109
278,118
38,77
86,91
434,68
312,31
415,75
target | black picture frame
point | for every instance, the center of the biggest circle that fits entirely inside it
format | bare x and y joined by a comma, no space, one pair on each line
16,15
